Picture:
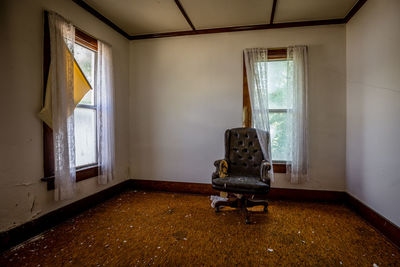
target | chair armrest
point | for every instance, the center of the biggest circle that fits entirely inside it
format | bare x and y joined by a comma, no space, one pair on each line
217,165
265,169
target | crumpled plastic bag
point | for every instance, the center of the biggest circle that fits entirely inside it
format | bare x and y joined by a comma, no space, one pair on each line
215,199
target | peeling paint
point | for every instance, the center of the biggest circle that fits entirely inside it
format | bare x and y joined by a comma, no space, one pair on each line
33,204
36,214
24,184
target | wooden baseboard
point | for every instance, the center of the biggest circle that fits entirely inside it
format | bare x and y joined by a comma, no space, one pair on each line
380,223
175,187
28,230
274,194
23,232
306,195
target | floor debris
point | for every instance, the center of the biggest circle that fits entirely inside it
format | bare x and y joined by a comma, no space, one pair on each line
204,238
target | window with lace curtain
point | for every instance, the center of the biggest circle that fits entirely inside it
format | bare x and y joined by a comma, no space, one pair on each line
279,76
85,52
85,111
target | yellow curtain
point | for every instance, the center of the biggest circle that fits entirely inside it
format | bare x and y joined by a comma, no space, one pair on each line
81,87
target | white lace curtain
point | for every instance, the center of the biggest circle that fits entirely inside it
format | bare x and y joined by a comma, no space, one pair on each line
62,39
105,113
297,168
297,123
257,70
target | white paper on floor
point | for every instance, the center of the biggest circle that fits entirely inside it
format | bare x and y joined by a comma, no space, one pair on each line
215,199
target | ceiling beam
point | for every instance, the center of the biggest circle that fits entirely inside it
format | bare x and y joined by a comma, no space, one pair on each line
354,10
271,21
271,25
240,28
178,3
95,13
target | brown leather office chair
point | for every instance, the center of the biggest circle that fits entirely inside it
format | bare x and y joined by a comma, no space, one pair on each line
244,171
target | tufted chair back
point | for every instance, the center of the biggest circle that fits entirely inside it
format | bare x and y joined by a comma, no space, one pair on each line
243,152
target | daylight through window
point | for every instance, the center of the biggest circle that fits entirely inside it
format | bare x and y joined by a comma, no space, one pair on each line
280,101
85,112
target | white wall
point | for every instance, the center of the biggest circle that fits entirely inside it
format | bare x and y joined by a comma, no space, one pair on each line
185,91
373,107
176,96
22,195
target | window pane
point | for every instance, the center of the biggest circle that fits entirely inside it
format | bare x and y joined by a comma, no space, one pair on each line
85,59
279,84
279,136
85,136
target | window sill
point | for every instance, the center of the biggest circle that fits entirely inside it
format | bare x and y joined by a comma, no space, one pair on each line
81,174
279,167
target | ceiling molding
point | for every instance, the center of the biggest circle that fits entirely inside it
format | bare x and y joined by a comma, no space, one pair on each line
179,5
271,21
354,10
95,13
240,28
271,25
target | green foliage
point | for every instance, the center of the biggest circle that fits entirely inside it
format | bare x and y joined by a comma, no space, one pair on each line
279,135
279,97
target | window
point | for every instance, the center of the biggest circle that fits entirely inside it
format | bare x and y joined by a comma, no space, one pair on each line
85,51
279,102
85,112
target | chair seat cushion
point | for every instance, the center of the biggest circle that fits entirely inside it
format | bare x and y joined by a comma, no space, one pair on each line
244,184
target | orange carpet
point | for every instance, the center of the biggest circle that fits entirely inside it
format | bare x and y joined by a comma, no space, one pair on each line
148,228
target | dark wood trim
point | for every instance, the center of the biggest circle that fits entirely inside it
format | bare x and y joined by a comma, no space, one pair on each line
50,182
247,115
28,230
85,39
279,167
380,223
306,195
354,10
277,54
175,187
48,148
97,14
274,194
179,5
81,175
271,21
239,28
86,173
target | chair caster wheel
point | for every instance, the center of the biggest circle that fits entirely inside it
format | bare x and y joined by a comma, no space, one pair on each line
216,209
265,209
248,221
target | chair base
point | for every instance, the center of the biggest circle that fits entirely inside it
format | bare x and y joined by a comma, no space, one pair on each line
243,203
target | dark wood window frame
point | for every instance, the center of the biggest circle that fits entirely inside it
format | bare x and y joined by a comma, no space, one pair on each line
82,173
273,54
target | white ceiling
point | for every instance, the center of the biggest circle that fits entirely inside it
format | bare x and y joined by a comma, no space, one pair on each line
137,17
206,14
306,10
142,16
